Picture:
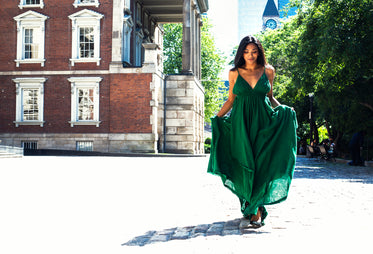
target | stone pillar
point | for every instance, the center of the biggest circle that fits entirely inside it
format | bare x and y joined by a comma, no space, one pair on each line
193,37
116,54
199,25
184,115
187,38
150,63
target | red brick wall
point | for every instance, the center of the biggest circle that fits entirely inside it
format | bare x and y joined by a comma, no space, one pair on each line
124,98
130,108
124,105
57,35
57,107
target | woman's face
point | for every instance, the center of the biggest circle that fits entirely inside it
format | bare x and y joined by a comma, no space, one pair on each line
251,53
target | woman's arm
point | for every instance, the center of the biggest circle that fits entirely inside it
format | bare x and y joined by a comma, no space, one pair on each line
229,103
270,72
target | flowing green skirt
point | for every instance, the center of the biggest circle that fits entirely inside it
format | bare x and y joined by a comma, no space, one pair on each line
254,153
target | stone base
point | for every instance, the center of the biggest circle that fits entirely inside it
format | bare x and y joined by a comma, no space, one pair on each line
113,143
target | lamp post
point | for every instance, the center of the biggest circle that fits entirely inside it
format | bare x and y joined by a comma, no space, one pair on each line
310,115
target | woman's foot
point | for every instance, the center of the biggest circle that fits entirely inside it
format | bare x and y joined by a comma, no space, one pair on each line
256,217
260,215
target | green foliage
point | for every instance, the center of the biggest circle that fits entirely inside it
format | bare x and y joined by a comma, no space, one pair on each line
207,145
327,50
212,63
172,48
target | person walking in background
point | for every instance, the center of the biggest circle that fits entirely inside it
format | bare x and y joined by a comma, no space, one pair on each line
355,146
253,150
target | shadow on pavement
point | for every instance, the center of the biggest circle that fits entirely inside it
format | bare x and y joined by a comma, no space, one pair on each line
314,169
222,228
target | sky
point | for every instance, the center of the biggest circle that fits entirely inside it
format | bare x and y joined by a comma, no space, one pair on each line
223,17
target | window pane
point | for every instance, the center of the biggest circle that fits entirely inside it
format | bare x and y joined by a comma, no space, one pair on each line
84,146
30,46
32,2
85,104
30,145
86,42
30,110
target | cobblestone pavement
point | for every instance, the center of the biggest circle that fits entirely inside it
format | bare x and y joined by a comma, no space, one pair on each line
171,205
329,208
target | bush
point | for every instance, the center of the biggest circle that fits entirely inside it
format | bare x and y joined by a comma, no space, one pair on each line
207,145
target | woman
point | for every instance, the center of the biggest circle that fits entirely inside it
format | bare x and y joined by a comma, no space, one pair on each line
253,150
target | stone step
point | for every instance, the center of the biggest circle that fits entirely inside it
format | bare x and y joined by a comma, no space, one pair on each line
9,155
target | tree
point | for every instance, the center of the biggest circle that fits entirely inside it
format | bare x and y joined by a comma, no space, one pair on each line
327,50
212,63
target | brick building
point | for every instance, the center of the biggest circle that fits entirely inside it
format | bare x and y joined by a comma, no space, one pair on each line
87,75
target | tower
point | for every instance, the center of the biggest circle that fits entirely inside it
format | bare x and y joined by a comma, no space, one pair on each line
271,16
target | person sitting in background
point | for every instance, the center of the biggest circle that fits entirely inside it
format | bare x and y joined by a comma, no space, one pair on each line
331,147
315,147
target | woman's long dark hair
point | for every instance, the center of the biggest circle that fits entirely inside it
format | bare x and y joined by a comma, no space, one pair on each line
240,61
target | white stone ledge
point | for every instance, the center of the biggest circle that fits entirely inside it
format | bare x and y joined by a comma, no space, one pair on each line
133,137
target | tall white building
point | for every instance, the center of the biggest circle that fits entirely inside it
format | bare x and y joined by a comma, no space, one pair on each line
249,16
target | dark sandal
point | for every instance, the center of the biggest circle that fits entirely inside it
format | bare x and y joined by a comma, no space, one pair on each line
263,215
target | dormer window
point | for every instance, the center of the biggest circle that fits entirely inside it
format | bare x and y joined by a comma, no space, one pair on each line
78,3
31,3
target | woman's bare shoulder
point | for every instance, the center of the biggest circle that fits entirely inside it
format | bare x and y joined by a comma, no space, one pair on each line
269,69
233,74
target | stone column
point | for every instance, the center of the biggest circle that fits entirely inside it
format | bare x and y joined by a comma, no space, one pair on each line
199,26
193,36
116,54
150,64
187,38
184,115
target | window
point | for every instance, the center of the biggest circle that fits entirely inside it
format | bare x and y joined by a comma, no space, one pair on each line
127,31
29,101
31,43
139,36
31,3
85,101
85,37
138,47
32,145
78,3
84,145
86,42
30,38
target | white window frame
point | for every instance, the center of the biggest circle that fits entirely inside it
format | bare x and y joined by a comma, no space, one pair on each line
85,18
138,47
23,4
127,4
127,31
85,82
80,3
24,83
30,20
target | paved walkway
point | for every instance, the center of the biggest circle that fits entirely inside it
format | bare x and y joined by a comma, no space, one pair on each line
171,205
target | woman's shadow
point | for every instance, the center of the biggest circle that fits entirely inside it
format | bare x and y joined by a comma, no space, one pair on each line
222,228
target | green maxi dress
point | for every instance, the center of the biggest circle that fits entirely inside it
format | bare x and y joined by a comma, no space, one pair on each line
253,150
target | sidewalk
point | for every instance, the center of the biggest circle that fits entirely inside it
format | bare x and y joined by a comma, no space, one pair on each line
109,205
